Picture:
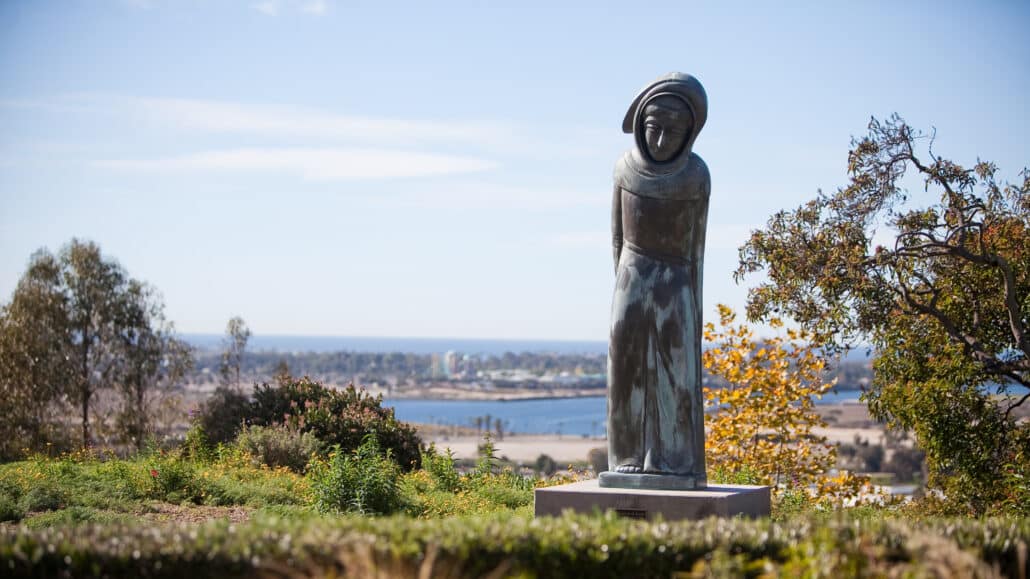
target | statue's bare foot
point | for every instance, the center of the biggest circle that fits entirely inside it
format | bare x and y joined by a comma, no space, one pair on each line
628,468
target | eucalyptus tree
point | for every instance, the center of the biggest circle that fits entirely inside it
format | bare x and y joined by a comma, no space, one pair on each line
35,357
233,347
77,324
154,360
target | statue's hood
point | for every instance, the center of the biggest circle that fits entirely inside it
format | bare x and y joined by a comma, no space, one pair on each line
677,84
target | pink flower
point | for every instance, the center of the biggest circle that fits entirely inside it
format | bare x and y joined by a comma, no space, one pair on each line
153,472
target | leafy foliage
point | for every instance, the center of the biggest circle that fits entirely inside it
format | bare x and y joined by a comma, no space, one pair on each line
545,465
109,487
78,324
947,305
10,510
44,497
224,414
440,468
196,444
279,445
506,545
440,491
336,417
363,482
762,425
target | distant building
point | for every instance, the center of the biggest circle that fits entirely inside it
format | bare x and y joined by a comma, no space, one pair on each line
450,364
437,370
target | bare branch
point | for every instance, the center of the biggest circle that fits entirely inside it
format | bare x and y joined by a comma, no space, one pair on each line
1009,410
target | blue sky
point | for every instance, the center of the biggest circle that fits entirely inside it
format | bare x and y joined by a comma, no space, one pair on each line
444,168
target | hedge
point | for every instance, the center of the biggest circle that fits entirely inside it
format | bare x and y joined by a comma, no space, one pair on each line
508,545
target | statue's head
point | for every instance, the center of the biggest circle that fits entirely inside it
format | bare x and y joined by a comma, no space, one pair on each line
666,117
667,121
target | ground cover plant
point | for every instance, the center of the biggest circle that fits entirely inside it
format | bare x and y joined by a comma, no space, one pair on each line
509,545
86,487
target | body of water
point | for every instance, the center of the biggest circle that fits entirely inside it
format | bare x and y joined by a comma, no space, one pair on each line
572,416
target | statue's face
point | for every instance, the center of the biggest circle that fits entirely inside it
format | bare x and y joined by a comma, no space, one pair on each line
667,122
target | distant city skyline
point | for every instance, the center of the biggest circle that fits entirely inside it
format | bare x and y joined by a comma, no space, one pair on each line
328,168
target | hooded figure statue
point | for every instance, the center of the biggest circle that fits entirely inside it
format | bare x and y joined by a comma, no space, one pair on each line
656,433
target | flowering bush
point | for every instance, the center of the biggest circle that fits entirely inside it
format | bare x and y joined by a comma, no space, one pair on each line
336,417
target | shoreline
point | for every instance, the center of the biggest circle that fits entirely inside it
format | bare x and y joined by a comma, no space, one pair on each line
567,449
437,394
500,399
845,421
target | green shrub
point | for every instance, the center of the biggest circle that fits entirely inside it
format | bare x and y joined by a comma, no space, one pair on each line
10,510
76,515
365,481
487,459
790,503
44,497
545,465
196,445
336,417
174,481
279,445
745,475
513,546
440,491
10,489
507,489
441,468
598,459
222,415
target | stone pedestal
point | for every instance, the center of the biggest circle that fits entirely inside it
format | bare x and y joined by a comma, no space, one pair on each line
715,500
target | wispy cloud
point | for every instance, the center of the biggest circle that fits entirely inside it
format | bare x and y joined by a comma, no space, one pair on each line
274,123
273,7
268,7
316,7
485,195
310,164
279,121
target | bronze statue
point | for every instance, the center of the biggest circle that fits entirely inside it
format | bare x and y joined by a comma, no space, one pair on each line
656,433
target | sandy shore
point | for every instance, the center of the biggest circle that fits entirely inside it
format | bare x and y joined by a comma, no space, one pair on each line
567,449
845,421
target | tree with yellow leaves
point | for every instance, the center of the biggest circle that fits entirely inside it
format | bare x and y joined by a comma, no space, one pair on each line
764,418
